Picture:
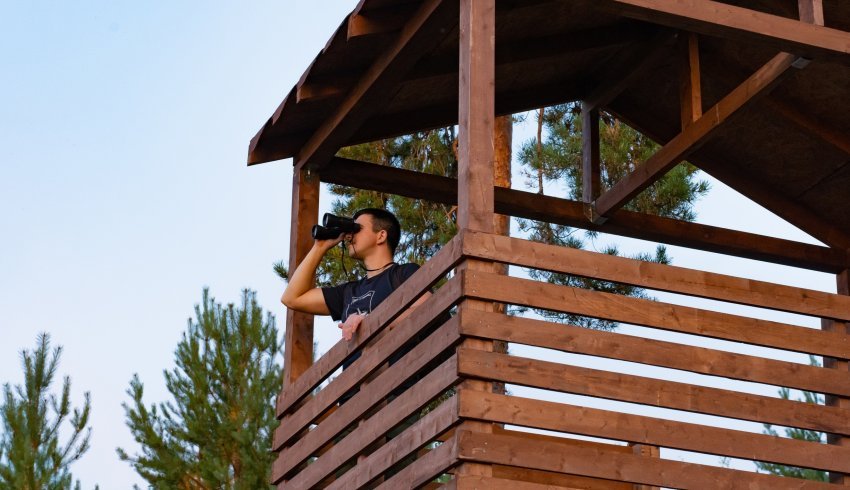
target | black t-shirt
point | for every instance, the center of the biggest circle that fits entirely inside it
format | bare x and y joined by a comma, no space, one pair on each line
366,294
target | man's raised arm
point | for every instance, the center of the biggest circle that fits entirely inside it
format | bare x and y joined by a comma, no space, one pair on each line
300,294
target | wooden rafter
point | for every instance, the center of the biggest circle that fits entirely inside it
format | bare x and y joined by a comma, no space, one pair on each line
420,34
693,136
590,176
811,11
378,21
369,176
738,23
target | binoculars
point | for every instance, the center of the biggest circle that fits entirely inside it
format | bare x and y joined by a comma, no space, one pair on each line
334,226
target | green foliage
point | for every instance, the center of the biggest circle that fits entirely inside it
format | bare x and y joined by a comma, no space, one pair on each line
799,434
217,431
31,454
558,157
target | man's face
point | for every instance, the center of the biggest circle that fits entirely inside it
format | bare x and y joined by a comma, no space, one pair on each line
360,243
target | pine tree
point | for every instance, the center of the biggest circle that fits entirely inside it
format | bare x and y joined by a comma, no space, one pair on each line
557,157
800,434
217,431
31,454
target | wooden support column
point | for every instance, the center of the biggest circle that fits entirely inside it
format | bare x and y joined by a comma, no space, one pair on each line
690,92
298,340
590,172
843,287
476,115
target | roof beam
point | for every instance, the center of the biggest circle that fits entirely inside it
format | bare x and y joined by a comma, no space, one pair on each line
739,23
378,21
434,188
422,33
690,92
693,136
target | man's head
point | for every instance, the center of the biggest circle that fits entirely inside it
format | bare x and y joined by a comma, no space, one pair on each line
383,223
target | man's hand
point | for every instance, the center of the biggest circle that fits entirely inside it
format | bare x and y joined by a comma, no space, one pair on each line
349,327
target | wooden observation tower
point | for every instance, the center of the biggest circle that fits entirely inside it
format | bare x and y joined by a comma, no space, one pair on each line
754,92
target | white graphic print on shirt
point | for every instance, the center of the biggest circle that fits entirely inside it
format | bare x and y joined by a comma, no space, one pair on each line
362,305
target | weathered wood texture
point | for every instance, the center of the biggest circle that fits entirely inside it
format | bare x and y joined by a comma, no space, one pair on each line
690,93
373,358
647,391
618,308
658,353
842,366
422,432
298,339
372,394
607,424
694,135
476,114
571,213
425,469
738,23
398,302
656,276
515,450
402,407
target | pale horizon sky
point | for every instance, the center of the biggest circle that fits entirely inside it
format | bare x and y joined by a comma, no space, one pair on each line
124,188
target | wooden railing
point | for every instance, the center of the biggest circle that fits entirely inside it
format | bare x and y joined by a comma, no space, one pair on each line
326,444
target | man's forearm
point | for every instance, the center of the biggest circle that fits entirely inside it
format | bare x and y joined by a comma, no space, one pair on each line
301,280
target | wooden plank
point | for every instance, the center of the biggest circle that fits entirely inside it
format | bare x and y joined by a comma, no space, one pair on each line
690,93
516,451
841,366
426,468
420,34
378,21
412,439
372,359
590,172
298,339
660,353
476,113
529,205
685,319
650,391
738,23
409,402
695,135
431,272
657,276
811,11
472,482
593,422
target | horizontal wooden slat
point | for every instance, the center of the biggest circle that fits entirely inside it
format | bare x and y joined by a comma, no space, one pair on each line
367,398
654,314
531,205
516,451
470,482
414,437
608,424
425,469
373,357
431,272
656,276
671,355
654,392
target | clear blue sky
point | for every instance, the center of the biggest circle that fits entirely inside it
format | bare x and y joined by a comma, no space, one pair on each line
124,129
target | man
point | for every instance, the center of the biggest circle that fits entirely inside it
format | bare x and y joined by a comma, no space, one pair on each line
374,245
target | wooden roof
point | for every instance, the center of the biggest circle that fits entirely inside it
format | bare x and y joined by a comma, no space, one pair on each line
789,150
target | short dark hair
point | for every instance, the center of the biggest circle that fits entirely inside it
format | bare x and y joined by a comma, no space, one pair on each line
384,220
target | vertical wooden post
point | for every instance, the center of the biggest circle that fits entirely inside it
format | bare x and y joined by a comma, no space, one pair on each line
298,340
649,452
690,93
843,287
476,115
811,11
590,176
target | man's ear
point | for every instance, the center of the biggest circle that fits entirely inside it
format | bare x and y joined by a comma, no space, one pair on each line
382,237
